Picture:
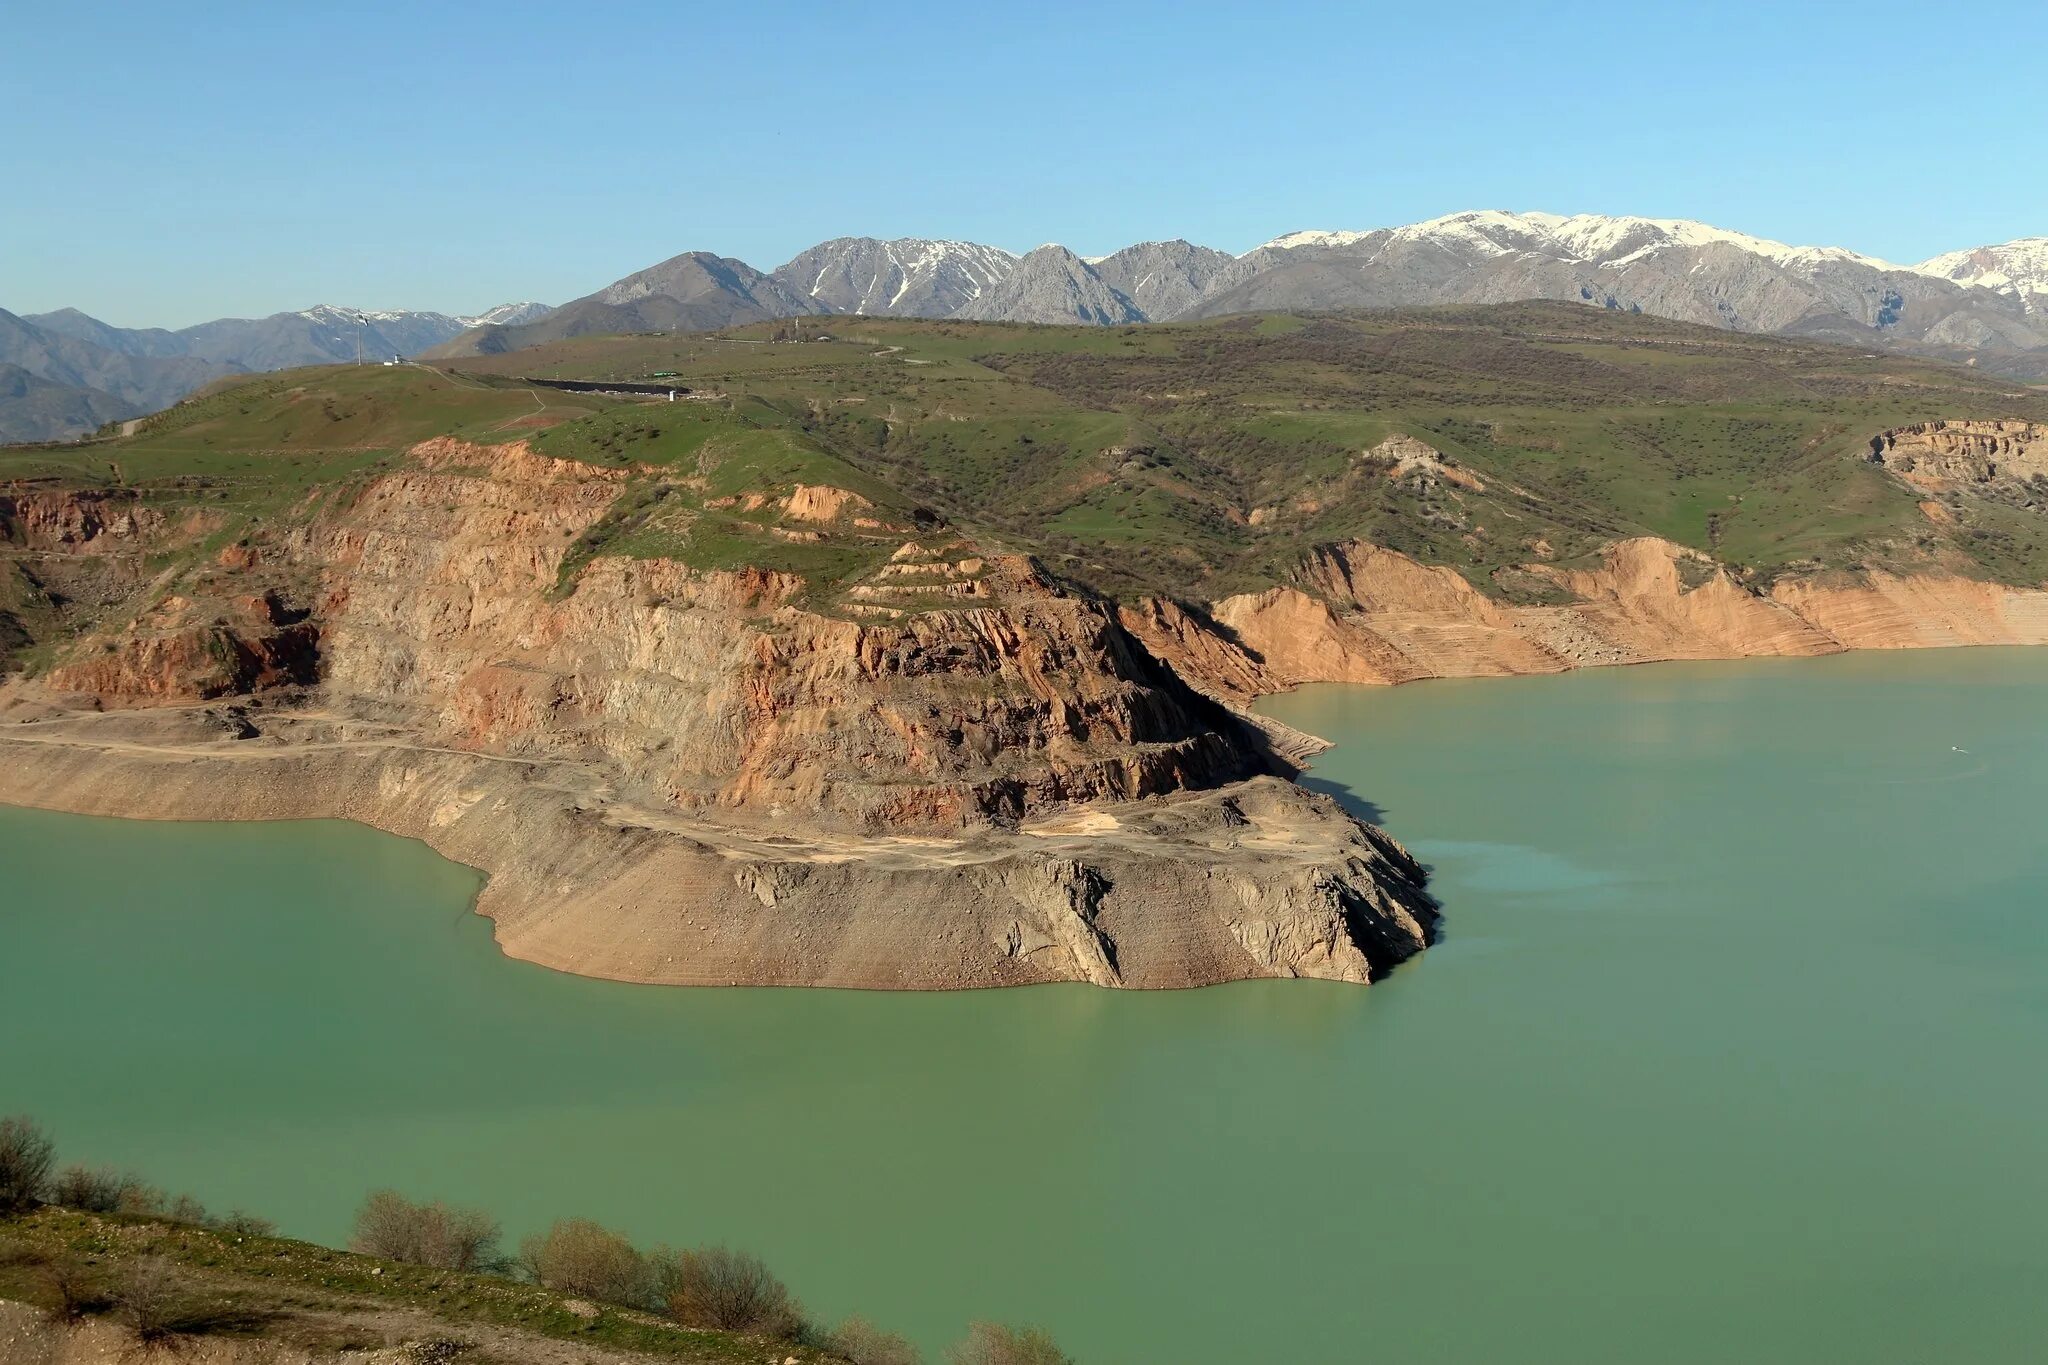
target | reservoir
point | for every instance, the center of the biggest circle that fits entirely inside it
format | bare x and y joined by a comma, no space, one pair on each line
1735,1047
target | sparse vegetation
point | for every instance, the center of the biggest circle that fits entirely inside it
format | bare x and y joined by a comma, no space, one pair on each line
166,1279
75,1292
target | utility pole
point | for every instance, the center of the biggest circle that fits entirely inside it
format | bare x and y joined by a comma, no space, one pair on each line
359,338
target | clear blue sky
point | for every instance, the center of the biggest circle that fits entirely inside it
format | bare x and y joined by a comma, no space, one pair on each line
168,162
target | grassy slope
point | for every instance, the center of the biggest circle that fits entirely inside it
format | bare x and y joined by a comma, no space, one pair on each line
276,1288
1135,456
1195,459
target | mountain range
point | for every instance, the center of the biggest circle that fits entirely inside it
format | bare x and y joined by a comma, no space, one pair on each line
1985,305
66,372
1988,304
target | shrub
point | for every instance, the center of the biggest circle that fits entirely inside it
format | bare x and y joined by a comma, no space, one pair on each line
861,1342
139,1198
577,1256
718,1287
73,1288
25,1157
97,1189
146,1297
240,1224
393,1227
990,1343
183,1208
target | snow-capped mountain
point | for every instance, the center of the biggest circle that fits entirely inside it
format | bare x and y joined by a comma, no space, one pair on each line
2018,268
1987,304
1593,238
508,315
906,277
1165,279
1674,268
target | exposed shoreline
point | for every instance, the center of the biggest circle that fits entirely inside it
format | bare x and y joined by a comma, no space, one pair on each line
1042,908
1258,879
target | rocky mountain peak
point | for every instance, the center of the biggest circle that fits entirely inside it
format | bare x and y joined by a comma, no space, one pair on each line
2018,268
904,277
1052,284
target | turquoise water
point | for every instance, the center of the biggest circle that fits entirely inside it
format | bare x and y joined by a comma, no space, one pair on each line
1733,1050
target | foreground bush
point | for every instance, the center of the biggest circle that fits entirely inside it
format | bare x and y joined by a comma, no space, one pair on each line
730,1290
577,1256
25,1158
393,1227
861,1342
990,1343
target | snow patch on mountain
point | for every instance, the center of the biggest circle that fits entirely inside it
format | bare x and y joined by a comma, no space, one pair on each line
504,315
2017,268
1291,240
1587,238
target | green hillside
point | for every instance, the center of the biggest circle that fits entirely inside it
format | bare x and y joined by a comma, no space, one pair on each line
1192,460
1140,458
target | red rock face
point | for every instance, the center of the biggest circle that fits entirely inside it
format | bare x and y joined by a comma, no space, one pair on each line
437,592
254,644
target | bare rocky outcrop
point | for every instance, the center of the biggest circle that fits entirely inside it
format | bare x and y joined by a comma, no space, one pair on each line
1363,614
687,775
91,521
1984,456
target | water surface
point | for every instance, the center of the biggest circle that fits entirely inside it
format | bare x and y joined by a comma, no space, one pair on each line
1734,1050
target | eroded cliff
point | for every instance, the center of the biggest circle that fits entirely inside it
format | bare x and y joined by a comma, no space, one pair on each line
714,699
689,774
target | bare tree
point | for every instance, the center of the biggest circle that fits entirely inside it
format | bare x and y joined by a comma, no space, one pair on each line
863,1343
991,1343
577,1256
146,1297
26,1154
719,1287
393,1227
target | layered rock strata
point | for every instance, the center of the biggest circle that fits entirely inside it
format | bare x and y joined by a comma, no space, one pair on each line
687,775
